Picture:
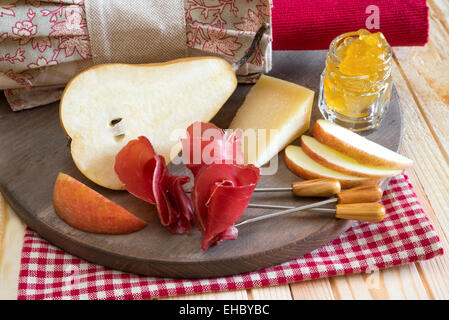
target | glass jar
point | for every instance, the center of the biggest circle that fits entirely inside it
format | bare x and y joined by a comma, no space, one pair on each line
356,83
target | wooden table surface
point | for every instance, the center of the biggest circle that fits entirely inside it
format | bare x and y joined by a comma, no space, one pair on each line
421,76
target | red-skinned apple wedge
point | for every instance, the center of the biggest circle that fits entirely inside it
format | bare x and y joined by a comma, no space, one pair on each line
303,166
333,159
83,208
357,147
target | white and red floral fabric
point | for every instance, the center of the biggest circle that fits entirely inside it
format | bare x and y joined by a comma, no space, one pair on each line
43,44
35,34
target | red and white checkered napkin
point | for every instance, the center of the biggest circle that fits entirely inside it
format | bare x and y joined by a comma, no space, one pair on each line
405,235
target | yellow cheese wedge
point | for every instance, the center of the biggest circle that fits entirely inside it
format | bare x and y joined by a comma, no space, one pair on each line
274,113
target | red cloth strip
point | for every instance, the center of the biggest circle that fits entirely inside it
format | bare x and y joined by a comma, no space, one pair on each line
313,24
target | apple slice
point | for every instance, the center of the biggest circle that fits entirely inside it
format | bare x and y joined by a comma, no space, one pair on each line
357,147
106,106
336,160
305,167
85,209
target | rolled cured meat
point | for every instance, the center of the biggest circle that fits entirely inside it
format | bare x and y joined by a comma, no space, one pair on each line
145,175
223,185
220,195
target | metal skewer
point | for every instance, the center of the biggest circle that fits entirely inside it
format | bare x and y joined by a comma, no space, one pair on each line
324,187
357,204
271,206
284,212
369,211
273,189
362,194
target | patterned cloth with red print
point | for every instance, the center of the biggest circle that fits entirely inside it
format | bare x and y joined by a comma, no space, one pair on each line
52,36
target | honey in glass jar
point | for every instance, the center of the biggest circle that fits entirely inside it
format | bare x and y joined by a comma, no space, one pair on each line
356,83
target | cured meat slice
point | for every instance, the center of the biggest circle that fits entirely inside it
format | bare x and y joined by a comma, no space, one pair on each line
207,144
145,175
220,195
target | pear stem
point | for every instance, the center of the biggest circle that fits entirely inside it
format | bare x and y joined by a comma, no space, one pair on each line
253,47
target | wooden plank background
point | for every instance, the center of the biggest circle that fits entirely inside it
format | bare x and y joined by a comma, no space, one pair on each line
421,75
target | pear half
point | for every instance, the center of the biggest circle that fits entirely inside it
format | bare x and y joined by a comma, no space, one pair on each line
107,105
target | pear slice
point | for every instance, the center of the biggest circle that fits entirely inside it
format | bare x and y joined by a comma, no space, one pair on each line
108,105
305,167
340,162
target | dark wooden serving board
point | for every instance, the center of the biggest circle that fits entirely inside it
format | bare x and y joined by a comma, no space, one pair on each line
33,149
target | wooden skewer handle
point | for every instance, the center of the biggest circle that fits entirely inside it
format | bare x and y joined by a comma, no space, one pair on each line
366,193
369,212
325,187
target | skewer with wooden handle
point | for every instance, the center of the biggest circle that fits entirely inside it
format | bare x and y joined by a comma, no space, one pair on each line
324,187
366,193
368,211
353,204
